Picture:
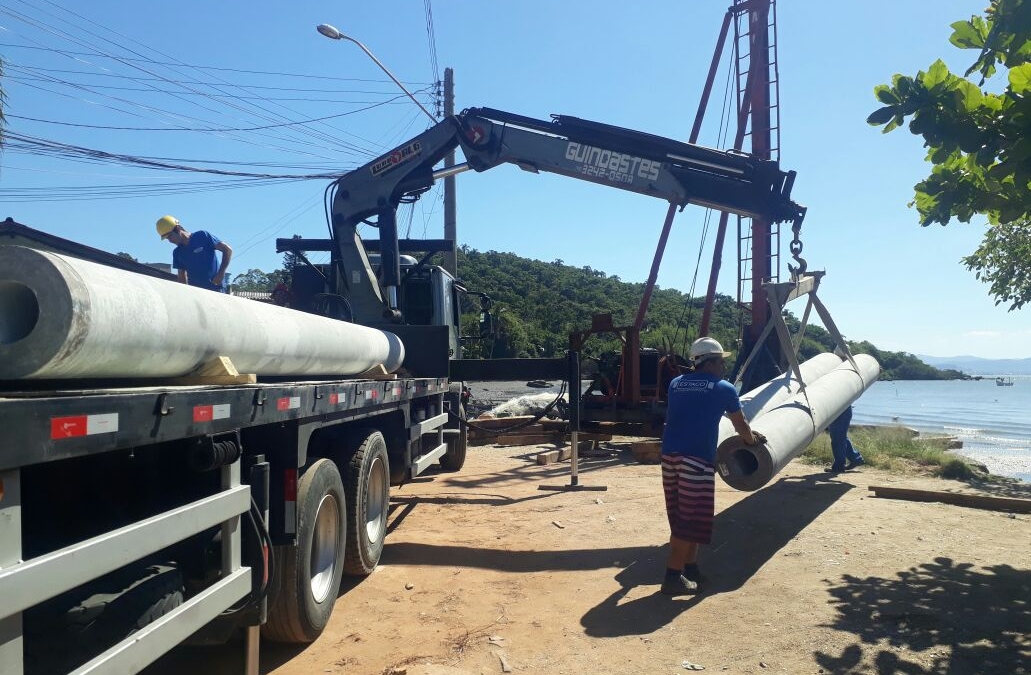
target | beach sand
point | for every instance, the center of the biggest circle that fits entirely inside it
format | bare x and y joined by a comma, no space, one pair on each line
483,572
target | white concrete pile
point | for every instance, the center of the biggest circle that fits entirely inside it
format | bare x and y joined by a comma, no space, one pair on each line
789,418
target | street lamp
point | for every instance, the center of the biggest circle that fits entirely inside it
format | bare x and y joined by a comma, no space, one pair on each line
334,34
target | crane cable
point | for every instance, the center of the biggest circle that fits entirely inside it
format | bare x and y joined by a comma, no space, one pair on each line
687,316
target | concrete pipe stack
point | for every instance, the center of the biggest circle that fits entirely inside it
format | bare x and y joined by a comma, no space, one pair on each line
62,318
792,423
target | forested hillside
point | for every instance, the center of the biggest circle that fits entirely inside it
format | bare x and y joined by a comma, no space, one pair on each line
537,305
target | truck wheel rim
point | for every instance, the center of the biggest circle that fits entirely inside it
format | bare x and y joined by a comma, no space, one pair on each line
324,546
377,501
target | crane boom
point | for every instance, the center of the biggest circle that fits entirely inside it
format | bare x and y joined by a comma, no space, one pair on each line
680,173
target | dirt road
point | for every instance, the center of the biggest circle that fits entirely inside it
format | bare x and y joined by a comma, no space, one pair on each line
484,571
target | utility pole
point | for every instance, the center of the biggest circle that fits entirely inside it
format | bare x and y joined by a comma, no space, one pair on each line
450,216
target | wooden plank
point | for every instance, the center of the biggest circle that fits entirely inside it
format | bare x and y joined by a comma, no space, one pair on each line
590,436
535,439
492,432
500,422
647,452
377,372
957,498
219,370
551,456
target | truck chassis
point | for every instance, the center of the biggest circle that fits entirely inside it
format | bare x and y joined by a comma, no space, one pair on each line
247,502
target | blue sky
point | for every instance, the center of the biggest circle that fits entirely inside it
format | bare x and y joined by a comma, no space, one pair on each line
226,65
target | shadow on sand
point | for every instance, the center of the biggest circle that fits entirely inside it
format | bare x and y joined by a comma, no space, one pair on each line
971,620
745,536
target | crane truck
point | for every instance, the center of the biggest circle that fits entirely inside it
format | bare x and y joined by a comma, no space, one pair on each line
136,513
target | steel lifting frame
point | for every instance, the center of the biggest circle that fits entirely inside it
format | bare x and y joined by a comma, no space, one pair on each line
779,295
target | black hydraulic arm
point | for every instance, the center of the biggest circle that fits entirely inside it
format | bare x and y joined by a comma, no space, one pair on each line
681,173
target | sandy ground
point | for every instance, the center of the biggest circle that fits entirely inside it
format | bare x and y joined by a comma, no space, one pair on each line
483,571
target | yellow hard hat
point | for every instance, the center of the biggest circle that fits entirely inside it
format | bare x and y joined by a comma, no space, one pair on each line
166,224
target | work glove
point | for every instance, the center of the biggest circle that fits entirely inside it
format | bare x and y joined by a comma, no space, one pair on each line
760,439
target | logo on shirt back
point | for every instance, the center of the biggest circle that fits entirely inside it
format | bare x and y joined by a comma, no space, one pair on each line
696,385
198,249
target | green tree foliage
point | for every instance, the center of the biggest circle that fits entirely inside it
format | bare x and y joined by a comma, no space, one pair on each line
903,366
257,280
979,142
538,304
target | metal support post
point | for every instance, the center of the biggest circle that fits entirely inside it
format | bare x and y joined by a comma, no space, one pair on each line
450,212
574,429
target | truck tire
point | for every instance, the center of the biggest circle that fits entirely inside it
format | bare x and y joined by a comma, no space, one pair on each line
368,500
454,458
307,576
63,633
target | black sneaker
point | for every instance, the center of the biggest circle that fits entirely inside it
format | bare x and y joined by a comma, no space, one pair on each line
850,464
692,573
677,585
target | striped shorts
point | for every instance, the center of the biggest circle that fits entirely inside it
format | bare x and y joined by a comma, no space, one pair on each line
689,484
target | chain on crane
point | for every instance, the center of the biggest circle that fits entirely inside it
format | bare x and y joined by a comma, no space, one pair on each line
796,251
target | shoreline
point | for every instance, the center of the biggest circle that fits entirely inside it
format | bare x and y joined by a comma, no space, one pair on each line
1003,456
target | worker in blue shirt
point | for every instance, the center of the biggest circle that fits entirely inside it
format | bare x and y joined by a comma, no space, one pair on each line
696,403
194,255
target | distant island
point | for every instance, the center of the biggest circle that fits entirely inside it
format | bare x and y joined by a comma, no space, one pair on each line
977,366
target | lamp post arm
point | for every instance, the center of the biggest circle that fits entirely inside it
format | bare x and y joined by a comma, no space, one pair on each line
389,74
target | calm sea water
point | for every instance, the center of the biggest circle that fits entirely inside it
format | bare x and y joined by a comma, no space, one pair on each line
993,422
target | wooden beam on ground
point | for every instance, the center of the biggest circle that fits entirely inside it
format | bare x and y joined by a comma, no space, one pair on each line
530,439
957,498
550,456
647,452
500,422
590,436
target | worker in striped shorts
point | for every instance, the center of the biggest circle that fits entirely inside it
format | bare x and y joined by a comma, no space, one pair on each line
696,403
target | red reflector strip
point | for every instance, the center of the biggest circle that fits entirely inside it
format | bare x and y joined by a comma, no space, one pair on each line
290,485
83,425
207,413
371,394
288,402
338,398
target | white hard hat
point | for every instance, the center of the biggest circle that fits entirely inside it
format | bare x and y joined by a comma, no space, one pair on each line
706,347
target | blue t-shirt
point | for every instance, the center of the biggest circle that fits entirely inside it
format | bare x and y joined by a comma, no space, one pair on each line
696,403
198,259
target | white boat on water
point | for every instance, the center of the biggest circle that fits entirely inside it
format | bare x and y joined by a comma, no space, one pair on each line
1004,381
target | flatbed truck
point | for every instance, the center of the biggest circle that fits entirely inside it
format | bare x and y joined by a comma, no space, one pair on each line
135,516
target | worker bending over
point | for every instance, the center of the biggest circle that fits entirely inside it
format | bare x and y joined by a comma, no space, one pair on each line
194,255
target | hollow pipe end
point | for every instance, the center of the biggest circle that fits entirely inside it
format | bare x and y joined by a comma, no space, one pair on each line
38,310
744,467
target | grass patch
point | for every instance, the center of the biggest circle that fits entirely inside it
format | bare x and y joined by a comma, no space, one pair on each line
896,449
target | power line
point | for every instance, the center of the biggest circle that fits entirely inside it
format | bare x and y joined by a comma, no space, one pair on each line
242,107
218,68
431,36
224,129
41,146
